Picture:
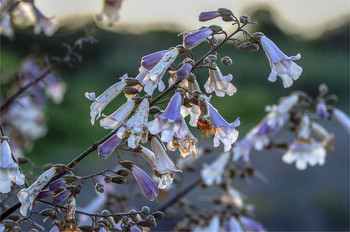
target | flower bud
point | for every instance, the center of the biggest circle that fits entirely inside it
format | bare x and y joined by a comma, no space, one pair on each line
215,28
51,213
248,46
188,60
212,57
227,18
127,164
225,12
226,60
123,172
131,81
191,77
154,110
108,179
119,180
323,88
146,209
158,215
151,220
130,90
99,187
244,19
22,160
213,40
255,38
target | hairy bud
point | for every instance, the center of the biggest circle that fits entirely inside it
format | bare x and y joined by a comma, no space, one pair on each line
146,209
255,38
123,172
191,77
130,90
323,88
215,28
22,160
244,19
226,60
248,46
119,180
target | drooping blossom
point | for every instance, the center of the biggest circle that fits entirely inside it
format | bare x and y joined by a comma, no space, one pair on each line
9,170
192,40
173,127
148,187
106,149
163,166
305,153
213,172
281,65
136,126
205,16
155,75
104,99
342,118
27,195
219,83
211,122
43,24
69,222
116,119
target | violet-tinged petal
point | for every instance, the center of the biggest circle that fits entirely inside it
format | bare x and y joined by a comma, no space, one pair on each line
134,228
281,64
219,83
148,187
151,60
250,224
219,121
106,149
114,120
342,118
205,16
43,24
242,149
213,172
56,184
183,72
322,111
61,196
172,111
192,40
44,194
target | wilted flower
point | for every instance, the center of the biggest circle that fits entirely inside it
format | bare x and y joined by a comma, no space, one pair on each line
106,149
219,83
155,75
193,39
342,118
281,64
114,120
213,172
305,152
136,126
104,99
9,170
43,24
27,195
163,166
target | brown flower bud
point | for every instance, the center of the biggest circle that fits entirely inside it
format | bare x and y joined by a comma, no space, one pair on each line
225,12
22,160
123,172
108,179
215,28
255,38
130,90
131,81
158,215
248,46
119,180
226,60
244,19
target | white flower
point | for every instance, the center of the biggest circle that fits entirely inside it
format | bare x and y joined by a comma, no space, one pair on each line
213,172
219,83
104,99
304,153
136,126
154,77
27,195
326,137
304,127
114,120
9,170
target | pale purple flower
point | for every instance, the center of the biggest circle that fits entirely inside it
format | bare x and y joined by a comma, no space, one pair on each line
61,196
305,152
193,39
6,27
55,90
27,195
116,119
205,16
43,24
148,187
155,75
213,172
322,111
136,126
151,60
107,148
251,225
219,83
281,65
242,149
342,118
104,99
163,166
232,225
9,170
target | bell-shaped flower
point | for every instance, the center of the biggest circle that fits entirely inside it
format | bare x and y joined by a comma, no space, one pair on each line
104,99
305,152
322,111
212,173
281,65
323,134
106,149
155,75
136,126
193,39
194,110
43,24
163,166
27,195
9,170
342,118
208,15
116,119
219,83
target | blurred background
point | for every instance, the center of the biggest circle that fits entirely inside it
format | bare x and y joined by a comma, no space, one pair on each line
316,199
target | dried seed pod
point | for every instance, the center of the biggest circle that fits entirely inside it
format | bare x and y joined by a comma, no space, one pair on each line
244,19
131,81
226,60
158,215
108,179
248,46
130,90
123,172
154,110
100,187
119,180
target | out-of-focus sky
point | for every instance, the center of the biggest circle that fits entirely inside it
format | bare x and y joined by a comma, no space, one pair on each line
310,17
